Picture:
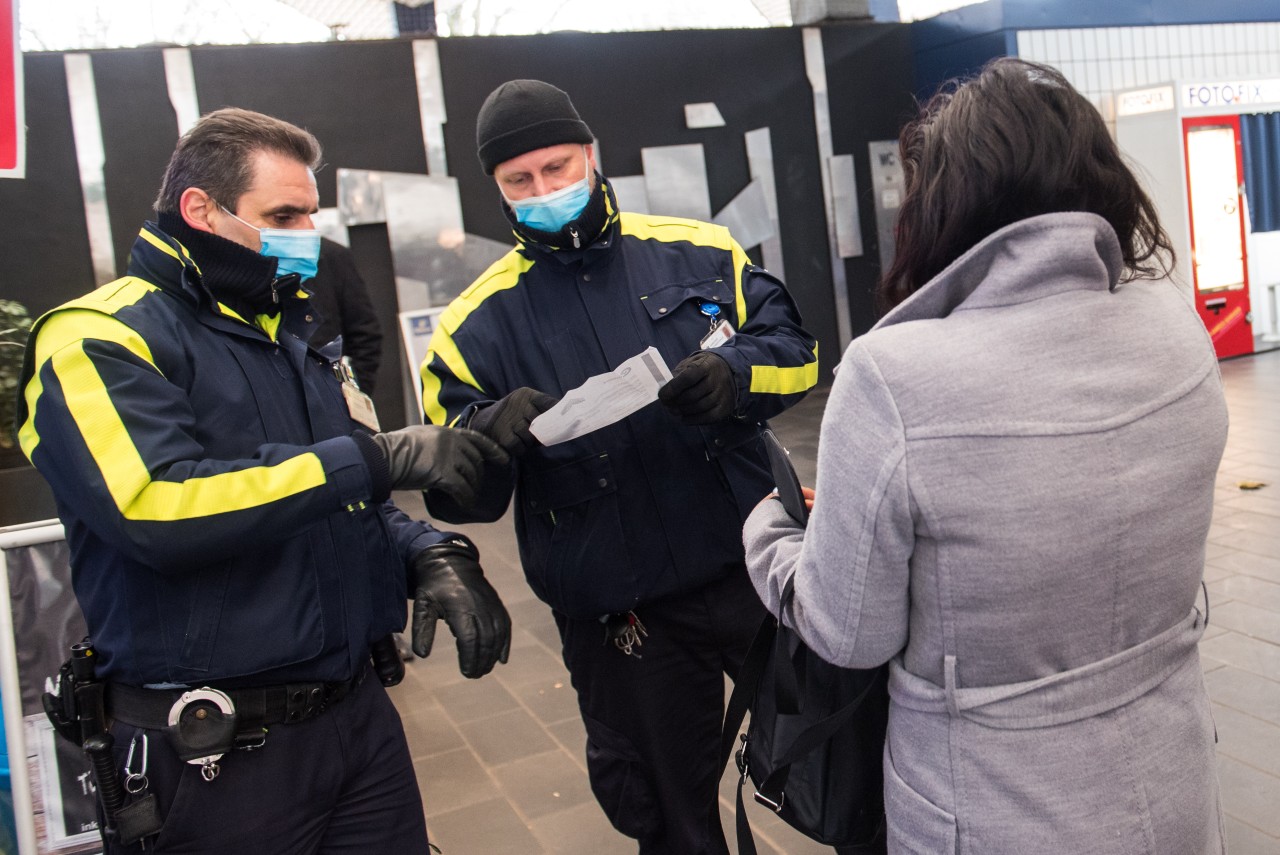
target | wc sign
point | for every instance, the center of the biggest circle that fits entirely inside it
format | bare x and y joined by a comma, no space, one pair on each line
12,128
1230,94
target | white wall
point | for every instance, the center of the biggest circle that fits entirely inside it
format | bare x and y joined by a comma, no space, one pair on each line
1101,60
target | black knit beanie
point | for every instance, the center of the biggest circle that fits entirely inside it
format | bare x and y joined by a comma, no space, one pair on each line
522,115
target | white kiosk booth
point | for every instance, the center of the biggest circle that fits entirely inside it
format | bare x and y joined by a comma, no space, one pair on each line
1185,139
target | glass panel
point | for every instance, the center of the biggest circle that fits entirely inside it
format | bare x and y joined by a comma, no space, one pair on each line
1215,208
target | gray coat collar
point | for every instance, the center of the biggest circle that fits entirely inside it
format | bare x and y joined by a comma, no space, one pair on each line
1027,260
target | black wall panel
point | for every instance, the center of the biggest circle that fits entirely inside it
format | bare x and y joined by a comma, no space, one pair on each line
870,100
45,258
359,98
139,131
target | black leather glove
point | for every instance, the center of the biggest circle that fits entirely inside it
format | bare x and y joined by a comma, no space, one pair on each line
507,421
430,457
449,584
701,390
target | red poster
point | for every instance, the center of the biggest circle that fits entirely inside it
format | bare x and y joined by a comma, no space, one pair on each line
12,128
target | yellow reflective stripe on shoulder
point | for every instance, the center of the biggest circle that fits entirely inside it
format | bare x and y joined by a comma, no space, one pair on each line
71,325
125,474
772,380
698,233
502,275
159,244
740,262
673,229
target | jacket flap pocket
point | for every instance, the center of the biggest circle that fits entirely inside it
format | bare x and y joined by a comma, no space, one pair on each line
570,483
663,301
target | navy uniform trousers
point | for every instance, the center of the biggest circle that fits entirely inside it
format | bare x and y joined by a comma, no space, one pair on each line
653,721
341,782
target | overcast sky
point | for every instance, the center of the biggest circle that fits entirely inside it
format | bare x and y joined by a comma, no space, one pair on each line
78,24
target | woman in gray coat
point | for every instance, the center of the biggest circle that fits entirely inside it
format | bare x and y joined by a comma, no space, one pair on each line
1014,486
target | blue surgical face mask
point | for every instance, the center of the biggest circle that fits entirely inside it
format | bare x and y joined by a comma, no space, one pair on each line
296,250
555,210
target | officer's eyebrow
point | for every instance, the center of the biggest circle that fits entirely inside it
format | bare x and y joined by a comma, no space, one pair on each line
290,209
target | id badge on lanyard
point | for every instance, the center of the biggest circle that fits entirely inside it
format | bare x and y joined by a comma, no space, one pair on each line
721,330
359,405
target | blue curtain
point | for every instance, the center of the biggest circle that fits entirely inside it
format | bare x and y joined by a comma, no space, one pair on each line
1260,136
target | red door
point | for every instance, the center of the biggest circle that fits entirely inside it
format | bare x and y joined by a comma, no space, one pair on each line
1215,176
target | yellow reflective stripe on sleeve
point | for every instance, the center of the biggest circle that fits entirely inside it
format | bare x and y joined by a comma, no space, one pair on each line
503,274
61,340
135,494
772,380
70,326
740,262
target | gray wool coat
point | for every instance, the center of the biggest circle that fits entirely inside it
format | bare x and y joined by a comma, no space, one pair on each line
1014,487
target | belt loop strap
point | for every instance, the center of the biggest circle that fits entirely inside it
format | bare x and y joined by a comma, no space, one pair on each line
949,684
251,712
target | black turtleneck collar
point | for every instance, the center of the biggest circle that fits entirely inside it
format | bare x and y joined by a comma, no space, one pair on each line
235,275
589,226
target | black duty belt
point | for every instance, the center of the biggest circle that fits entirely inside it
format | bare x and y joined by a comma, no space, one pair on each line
265,705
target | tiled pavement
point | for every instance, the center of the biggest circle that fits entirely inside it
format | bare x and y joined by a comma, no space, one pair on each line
500,760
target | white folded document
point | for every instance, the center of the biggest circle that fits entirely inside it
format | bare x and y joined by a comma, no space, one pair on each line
604,399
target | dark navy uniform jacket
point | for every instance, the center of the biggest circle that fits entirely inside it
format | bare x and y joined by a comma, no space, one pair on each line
645,507
217,508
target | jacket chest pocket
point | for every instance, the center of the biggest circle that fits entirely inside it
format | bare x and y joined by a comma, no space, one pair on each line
682,314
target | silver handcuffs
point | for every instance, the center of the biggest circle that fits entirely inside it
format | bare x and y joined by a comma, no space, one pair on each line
208,764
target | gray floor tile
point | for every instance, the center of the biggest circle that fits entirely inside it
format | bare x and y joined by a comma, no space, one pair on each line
452,780
544,784
1248,564
475,699
1262,593
580,830
1246,840
428,729
1249,740
1250,795
1248,693
1255,622
1232,648
506,736
486,828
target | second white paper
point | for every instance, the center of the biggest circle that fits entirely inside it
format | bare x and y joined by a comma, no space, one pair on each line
604,399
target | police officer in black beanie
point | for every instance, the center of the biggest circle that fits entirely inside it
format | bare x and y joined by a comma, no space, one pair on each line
631,533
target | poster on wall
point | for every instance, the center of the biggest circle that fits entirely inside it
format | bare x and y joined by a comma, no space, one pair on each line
55,802
13,129
67,792
416,328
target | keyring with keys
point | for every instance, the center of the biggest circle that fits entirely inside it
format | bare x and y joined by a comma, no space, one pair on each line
208,763
136,782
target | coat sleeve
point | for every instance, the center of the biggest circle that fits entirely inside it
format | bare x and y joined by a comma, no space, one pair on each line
851,597
116,441
774,360
452,390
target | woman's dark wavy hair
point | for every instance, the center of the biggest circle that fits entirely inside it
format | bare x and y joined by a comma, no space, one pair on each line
1014,142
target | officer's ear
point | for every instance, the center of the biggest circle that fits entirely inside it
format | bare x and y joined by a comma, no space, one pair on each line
198,209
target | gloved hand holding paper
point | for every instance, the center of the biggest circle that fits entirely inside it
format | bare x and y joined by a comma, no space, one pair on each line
604,399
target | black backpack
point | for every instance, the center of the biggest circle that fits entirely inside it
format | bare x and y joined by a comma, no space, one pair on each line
814,746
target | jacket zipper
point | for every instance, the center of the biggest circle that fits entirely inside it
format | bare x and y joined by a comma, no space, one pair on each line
577,244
